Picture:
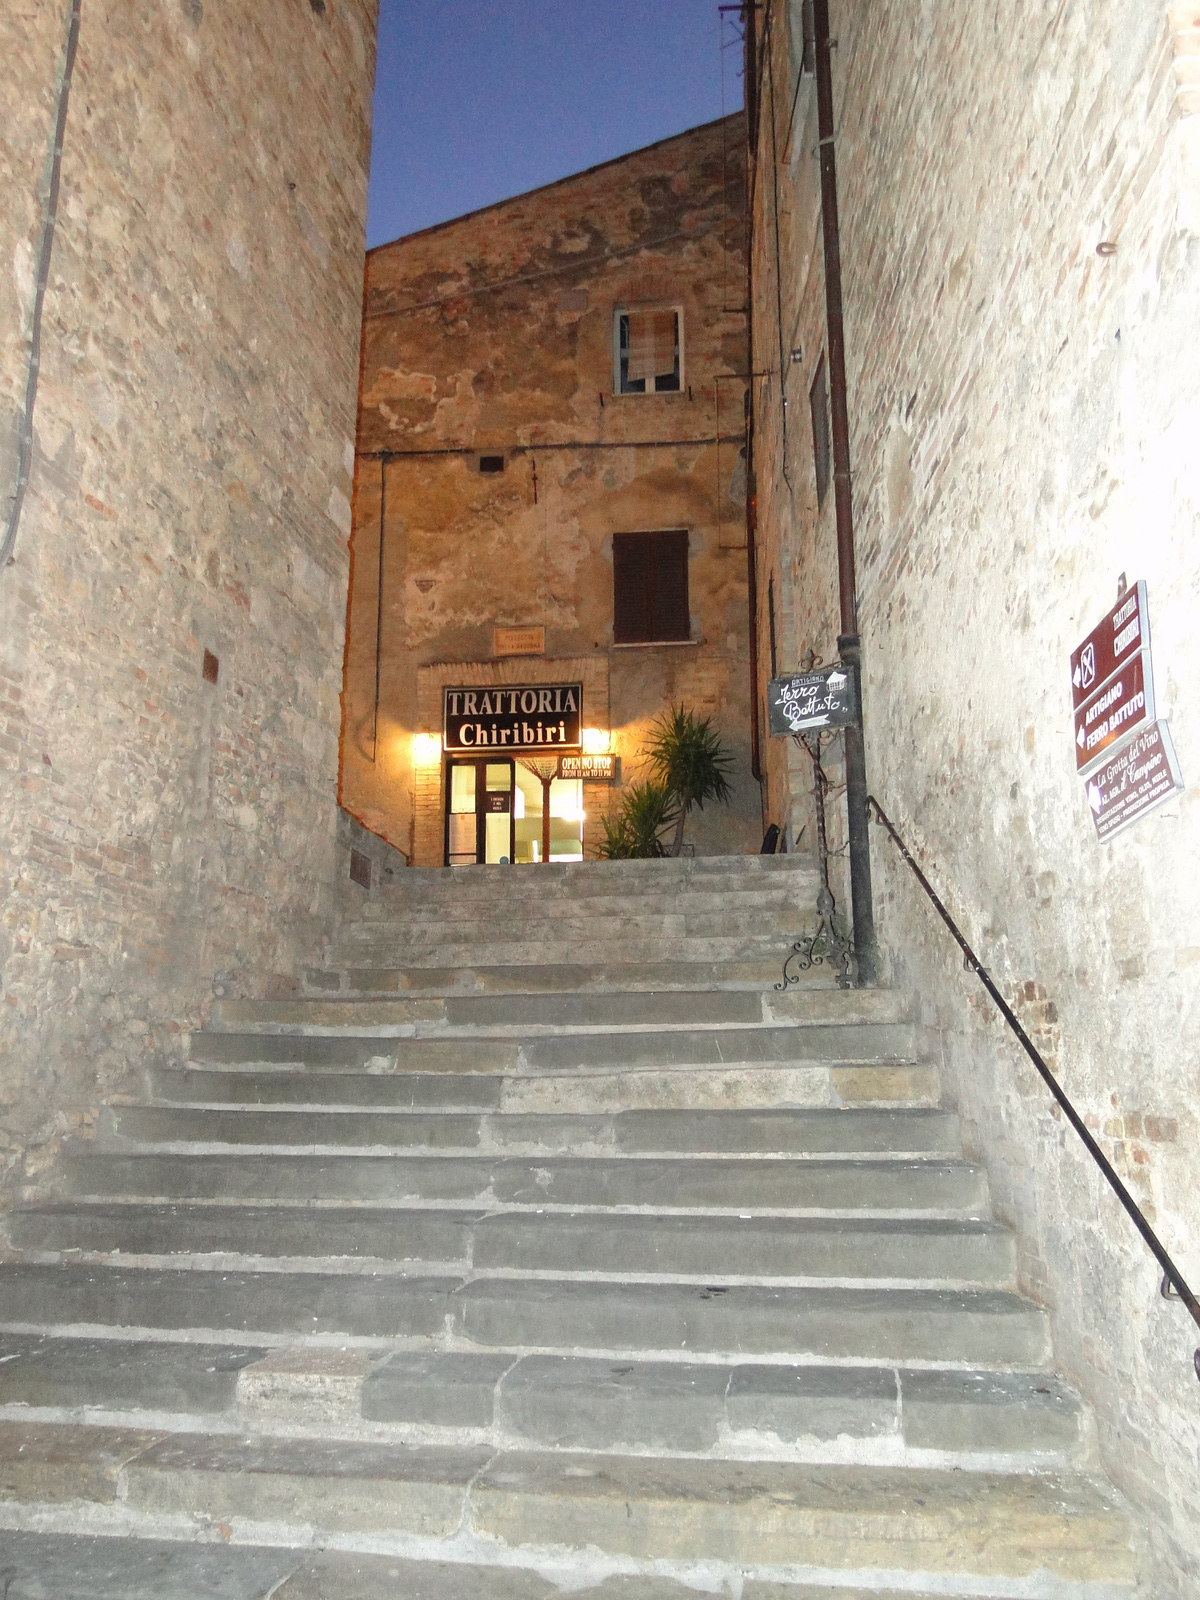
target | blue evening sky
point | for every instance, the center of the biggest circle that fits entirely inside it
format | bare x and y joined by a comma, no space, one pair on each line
478,100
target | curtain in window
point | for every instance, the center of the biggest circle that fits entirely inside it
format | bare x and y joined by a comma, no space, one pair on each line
651,344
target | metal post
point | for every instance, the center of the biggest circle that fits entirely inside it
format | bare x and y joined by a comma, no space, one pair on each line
849,644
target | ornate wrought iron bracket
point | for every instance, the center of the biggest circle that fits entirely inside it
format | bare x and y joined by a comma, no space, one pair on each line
826,945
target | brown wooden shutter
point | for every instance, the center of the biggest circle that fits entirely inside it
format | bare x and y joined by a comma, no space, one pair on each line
650,587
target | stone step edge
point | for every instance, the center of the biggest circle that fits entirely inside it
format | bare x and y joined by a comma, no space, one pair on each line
839,1520
742,1446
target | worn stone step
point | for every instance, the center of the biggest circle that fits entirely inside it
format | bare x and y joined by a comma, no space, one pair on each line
596,1092
385,948
578,1403
555,977
897,1133
670,1008
847,1519
852,1043
977,1328
561,1402
590,1243
57,1566
949,1188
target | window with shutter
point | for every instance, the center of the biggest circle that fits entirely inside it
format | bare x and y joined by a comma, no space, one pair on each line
648,350
650,587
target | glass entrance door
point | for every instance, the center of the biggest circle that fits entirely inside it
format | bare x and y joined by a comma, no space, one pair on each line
479,812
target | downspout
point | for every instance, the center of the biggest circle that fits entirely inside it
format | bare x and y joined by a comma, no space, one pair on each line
750,78
849,643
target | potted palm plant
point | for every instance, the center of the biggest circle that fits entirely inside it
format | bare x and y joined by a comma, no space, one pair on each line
690,763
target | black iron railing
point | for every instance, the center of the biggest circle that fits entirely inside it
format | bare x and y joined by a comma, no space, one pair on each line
1174,1286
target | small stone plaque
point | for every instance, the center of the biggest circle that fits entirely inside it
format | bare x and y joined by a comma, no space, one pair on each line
519,641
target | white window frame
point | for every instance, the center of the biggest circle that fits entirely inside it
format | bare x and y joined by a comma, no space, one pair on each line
646,305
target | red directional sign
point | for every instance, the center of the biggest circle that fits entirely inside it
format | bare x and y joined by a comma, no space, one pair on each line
1119,707
1139,776
1125,629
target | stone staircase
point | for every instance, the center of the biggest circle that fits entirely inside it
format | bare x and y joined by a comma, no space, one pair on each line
539,1244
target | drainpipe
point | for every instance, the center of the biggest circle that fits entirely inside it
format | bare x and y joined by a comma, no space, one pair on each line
750,77
849,643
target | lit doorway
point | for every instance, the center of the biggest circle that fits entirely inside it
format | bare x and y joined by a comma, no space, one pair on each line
566,818
480,813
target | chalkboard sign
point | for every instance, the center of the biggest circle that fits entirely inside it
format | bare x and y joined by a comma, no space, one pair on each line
807,702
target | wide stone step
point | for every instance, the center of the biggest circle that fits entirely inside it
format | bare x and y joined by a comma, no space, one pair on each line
701,1133
553,977
596,1092
559,1402
977,1328
672,1008
56,1566
739,1249
853,1043
955,1188
608,948
762,1515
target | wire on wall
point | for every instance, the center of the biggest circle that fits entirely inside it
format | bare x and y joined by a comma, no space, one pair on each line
379,606
49,218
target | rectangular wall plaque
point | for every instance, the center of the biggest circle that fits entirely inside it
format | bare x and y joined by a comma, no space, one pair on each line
1125,629
1136,779
807,702
1121,706
592,769
531,716
519,641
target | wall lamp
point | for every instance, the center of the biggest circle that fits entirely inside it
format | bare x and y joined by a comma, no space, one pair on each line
595,741
427,749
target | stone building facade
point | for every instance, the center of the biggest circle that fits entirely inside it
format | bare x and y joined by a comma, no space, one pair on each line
543,381
1020,240
189,503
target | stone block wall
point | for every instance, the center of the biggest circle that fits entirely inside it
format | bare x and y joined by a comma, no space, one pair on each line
192,470
1024,411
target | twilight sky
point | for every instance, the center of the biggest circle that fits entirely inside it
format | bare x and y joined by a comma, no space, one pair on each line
477,100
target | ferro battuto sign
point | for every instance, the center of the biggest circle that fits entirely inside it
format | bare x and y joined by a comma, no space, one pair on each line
533,716
810,701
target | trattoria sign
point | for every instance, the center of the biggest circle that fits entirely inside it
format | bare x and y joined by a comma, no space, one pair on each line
534,716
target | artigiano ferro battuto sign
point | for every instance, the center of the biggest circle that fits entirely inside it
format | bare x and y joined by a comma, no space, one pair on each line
512,717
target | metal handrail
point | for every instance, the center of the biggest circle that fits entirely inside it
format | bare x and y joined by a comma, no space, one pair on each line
1174,1285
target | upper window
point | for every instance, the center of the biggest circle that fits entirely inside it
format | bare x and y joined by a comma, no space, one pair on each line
650,587
647,350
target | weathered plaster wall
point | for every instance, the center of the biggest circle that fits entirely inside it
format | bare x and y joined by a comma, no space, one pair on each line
190,491
1024,422
493,334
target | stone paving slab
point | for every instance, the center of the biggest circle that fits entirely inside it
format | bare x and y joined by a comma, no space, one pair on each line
50,1566
121,1374
414,1090
981,1328
301,1304
334,1485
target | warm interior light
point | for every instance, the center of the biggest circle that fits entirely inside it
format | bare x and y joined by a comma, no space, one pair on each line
427,748
595,742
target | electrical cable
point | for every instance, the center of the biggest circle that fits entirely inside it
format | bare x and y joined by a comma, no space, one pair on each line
49,219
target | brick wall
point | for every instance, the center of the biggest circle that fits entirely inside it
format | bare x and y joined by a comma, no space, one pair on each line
1024,418
190,492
